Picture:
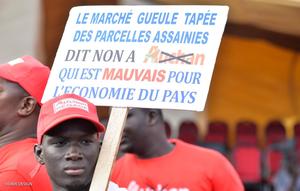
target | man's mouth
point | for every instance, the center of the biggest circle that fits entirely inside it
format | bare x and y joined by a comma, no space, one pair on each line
74,171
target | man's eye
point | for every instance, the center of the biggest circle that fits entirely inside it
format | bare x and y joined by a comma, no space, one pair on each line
86,142
59,143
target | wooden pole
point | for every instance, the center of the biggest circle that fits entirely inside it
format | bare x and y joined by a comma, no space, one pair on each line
109,149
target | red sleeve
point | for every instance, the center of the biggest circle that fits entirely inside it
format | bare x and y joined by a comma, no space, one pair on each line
226,177
13,181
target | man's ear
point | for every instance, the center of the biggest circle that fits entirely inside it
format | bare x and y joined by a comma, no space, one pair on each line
27,106
38,152
153,116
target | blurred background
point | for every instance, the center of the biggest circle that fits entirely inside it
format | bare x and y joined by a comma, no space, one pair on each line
254,98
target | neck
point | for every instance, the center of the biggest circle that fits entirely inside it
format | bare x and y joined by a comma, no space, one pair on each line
16,131
13,137
158,148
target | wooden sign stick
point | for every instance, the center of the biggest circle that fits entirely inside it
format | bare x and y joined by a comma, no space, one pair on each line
109,148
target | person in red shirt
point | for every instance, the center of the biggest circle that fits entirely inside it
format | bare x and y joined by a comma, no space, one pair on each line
68,134
154,163
22,83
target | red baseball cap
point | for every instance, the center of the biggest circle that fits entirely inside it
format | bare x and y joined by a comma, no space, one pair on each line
29,73
63,108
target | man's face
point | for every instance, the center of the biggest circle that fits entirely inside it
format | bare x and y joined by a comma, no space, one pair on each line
10,96
70,154
135,131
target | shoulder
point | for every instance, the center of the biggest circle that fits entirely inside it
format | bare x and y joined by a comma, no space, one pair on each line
195,150
124,163
13,155
126,158
14,161
18,148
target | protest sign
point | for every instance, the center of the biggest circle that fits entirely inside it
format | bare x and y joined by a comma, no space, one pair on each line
139,56
136,56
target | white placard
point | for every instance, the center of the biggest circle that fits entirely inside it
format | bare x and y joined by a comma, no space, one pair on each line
139,56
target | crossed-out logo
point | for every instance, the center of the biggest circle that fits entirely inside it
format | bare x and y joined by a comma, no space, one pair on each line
155,55
133,186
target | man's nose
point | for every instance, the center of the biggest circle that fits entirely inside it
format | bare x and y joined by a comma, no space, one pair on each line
74,153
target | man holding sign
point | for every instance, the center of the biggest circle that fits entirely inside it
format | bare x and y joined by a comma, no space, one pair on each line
154,163
69,142
143,56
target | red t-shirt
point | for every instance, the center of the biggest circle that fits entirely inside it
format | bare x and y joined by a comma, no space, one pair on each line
186,167
19,170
